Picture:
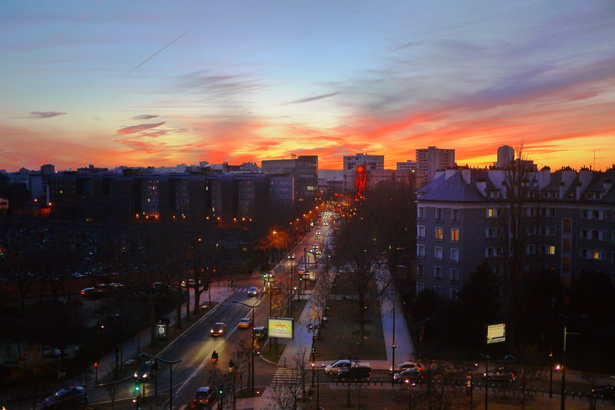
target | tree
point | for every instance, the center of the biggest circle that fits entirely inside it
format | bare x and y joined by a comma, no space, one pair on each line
359,261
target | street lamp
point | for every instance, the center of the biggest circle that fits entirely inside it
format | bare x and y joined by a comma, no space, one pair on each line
253,307
170,363
393,349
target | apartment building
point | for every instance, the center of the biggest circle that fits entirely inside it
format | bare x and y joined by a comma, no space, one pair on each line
567,224
432,159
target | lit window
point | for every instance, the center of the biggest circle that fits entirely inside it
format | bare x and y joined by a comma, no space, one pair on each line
439,234
455,235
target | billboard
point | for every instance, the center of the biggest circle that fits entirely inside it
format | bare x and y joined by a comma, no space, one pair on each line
496,333
283,328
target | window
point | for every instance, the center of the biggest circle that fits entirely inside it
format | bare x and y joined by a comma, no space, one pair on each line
437,272
547,249
547,230
566,226
454,295
420,251
455,275
455,255
455,235
438,290
530,211
547,212
492,252
592,254
421,212
420,270
438,213
455,215
493,212
530,249
566,245
439,234
493,232
530,230
420,232
420,287
438,253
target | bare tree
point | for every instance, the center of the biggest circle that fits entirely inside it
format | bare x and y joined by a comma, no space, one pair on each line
359,261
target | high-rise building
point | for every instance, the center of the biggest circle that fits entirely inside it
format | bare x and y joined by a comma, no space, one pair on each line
304,171
432,159
371,162
506,155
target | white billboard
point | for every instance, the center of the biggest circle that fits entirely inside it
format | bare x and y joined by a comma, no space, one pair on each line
283,328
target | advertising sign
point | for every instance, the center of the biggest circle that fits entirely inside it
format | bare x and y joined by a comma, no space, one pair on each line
283,328
496,333
161,331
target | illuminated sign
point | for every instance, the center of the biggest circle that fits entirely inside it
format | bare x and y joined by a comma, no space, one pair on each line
496,333
282,328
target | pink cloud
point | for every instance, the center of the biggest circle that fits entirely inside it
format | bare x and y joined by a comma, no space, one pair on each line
137,128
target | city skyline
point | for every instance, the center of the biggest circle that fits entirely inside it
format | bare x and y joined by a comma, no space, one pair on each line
160,84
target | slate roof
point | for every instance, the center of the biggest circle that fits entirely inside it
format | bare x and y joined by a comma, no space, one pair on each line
453,189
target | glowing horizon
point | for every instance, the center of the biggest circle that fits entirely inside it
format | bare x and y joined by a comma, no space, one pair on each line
160,84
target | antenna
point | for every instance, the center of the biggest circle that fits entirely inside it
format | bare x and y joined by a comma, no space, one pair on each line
595,158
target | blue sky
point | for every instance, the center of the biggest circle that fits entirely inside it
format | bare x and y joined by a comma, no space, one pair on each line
142,83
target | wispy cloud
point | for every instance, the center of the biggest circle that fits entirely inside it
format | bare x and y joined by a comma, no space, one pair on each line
305,100
144,117
138,128
44,114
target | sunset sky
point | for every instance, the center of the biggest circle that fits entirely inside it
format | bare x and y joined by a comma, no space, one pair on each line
160,83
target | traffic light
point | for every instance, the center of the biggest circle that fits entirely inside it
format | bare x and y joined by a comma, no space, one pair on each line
221,389
315,356
314,339
137,387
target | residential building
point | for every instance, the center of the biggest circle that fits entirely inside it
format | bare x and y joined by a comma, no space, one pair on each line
464,218
432,159
371,162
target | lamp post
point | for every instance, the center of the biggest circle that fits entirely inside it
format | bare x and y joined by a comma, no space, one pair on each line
253,307
170,363
393,349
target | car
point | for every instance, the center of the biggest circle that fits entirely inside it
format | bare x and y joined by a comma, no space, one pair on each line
204,398
270,274
66,398
413,376
354,373
92,293
219,329
334,368
190,283
244,323
400,367
500,374
253,291
260,332
604,391
291,256
276,290
146,371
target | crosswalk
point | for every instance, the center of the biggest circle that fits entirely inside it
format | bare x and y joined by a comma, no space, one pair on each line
285,376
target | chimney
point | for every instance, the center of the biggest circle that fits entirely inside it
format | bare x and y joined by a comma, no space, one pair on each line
466,174
545,177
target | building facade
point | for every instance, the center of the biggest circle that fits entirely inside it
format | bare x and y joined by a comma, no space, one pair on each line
567,224
432,159
371,162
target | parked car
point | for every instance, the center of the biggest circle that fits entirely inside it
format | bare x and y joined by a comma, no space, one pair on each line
334,368
500,374
400,367
191,283
244,323
146,371
204,398
92,293
253,291
413,376
260,332
354,373
66,398
219,329
604,392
